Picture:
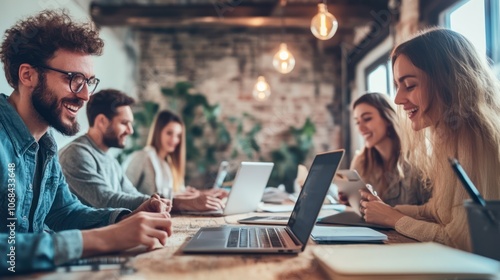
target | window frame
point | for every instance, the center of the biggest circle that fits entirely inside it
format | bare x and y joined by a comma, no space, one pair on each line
492,29
386,62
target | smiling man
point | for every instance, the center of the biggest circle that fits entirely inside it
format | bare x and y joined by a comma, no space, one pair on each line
93,174
47,60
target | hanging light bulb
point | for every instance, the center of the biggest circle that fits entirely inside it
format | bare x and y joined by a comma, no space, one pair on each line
261,90
324,25
283,60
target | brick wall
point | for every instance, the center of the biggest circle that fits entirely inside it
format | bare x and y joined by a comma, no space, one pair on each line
224,65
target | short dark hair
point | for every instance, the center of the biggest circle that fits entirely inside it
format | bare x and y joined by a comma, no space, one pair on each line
34,40
106,102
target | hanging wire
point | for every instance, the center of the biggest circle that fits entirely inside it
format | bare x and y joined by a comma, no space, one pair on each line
282,15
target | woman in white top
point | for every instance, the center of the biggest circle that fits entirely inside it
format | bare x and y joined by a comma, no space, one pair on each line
160,167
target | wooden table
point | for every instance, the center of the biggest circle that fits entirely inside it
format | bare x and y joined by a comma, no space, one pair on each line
170,262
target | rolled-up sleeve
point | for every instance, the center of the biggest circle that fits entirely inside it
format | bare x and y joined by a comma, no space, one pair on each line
68,245
38,251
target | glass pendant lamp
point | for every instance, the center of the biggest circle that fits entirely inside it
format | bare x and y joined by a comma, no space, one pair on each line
261,90
324,24
283,60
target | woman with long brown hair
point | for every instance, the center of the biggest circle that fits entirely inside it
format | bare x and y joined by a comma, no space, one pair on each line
452,102
380,162
160,167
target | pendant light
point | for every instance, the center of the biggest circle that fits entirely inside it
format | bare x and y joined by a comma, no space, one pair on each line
283,60
261,90
324,24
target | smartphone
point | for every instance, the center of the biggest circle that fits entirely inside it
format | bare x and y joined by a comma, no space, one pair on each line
349,182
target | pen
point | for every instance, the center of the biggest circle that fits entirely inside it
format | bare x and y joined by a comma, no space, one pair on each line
96,264
466,182
470,188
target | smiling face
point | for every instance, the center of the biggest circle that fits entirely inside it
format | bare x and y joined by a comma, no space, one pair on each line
53,99
171,136
412,92
370,124
115,135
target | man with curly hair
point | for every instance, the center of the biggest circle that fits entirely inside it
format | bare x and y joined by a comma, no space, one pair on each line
47,61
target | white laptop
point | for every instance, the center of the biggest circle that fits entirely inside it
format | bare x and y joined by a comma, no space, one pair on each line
221,175
260,239
246,192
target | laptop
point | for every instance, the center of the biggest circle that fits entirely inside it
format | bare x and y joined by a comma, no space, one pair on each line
221,175
246,192
260,239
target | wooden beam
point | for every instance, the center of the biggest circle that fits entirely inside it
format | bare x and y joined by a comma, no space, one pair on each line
265,14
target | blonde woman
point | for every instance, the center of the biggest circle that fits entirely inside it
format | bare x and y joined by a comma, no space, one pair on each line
452,102
380,162
160,167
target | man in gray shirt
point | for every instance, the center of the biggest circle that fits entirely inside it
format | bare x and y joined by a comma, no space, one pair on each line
95,176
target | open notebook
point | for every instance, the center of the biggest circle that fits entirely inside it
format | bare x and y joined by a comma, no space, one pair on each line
403,261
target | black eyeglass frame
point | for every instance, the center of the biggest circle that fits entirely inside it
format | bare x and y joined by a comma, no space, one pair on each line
71,76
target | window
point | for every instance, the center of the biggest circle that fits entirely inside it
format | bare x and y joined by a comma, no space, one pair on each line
379,76
468,18
478,20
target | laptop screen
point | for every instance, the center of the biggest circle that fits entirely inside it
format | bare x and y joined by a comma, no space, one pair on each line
313,193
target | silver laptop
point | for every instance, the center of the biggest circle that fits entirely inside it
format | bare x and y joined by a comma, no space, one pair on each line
246,192
260,239
221,174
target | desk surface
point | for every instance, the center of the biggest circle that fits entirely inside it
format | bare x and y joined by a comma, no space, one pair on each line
170,261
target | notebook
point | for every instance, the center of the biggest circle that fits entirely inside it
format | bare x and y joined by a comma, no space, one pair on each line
265,220
282,220
350,219
260,239
332,234
403,261
251,179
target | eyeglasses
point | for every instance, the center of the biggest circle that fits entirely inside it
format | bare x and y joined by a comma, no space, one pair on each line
77,80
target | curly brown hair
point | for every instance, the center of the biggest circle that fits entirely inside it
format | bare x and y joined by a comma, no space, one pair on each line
35,40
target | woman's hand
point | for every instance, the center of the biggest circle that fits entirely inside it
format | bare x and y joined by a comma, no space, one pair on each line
216,192
196,202
375,211
343,199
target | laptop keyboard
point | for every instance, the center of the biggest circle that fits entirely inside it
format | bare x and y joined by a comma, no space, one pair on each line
255,238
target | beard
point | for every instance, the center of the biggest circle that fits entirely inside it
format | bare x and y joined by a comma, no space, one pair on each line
50,109
111,140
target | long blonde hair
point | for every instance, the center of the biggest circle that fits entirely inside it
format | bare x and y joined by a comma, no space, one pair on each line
372,167
464,102
177,159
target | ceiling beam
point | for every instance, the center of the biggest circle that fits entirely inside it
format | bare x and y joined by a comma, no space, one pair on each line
249,14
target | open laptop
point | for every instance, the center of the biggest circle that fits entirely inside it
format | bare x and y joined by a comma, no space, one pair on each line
221,174
246,192
260,239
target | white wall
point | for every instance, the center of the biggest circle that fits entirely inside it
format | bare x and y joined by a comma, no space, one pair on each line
114,68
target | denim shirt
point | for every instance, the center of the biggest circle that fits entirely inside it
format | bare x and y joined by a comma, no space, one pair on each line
57,209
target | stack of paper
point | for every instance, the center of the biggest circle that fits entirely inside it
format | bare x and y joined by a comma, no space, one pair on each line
404,261
330,234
